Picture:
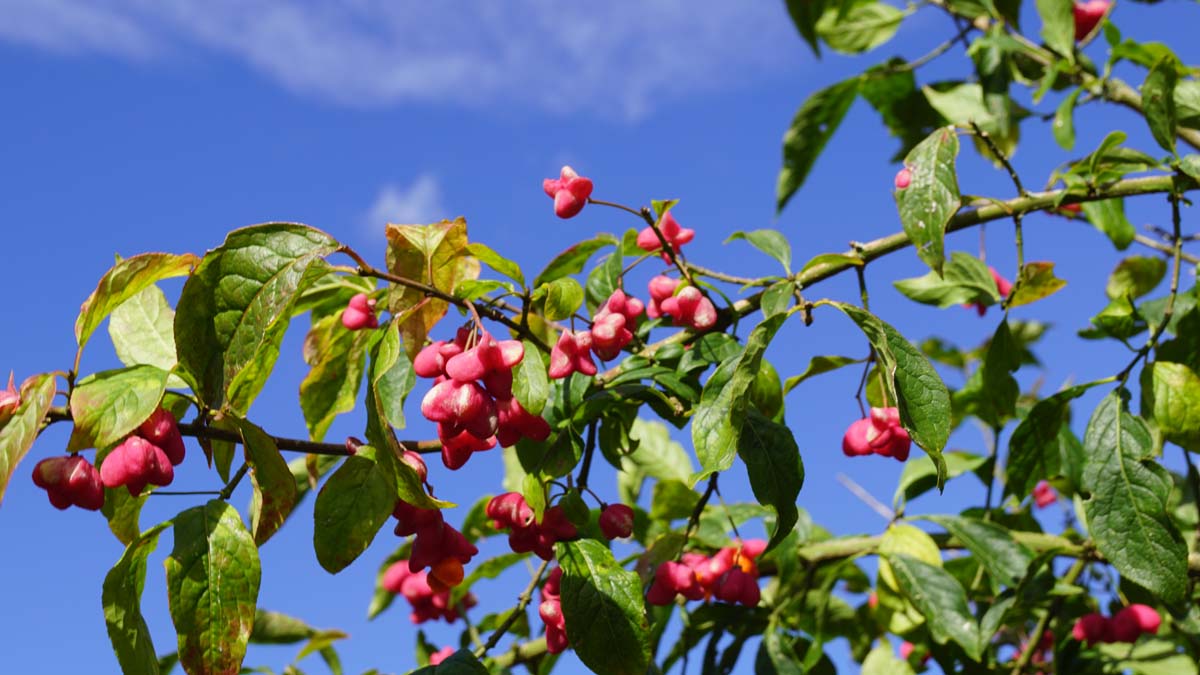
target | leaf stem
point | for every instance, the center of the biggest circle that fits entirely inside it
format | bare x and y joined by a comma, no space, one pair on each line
522,603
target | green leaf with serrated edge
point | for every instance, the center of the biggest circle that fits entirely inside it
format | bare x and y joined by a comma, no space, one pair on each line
1135,276
125,280
1158,101
1036,281
1173,398
805,14
775,468
881,661
337,358
461,662
717,422
965,279
1108,216
108,405
121,597
1033,452
932,196
564,297
1127,507
858,26
123,511
275,492
436,255
940,599
212,587
1058,26
819,365
573,260
142,332
771,242
831,259
602,605
351,507
19,431
276,628
234,309
991,544
497,262
812,127
920,474
1064,121
531,385
912,385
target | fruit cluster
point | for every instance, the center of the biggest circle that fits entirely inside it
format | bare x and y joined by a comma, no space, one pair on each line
688,307
472,400
437,545
510,511
879,433
360,313
1044,495
1088,15
427,604
616,521
148,457
730,575
551,612
675,236
1124,626
70,481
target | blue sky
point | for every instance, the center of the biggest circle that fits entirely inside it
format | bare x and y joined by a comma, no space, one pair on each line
133,126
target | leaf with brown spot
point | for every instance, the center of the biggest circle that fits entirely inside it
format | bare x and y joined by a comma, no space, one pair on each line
435,255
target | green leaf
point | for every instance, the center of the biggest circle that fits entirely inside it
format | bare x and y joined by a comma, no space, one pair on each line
603,608
776,656
771,242
19,431
1127,507
998,400
573,260
1058,26
123,512
107,406
920,474
819,365
564,297
805,14
461,662
777,298
881,661
1190,165
861,26
1174,399
121,596
891,89
126,279
940,599
1033,449
831,259
964,280
672,500
1135,276
1149,656
655,455
911,384
1158,101
497,262
717,422
1064,121
275,628
142,331
233,311
435,255
932,197
1108,216
1187,103
992,545
812,127
531,385
351,507
775,468
337,358
212,587
275,491
392,377
1036,281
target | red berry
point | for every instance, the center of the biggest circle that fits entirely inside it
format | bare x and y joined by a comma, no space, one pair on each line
571,354
903,178
570,192
1088,15
1044,495
1129,623
616,521
360,313
1092,628
162,430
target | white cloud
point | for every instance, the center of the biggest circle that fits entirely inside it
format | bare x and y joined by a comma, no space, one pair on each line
419,203
619,57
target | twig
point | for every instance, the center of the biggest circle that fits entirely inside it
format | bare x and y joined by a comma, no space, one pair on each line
588,451
522,603
697,511
866,497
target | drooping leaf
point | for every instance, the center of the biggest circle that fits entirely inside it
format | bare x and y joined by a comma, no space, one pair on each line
881,661
121,596
107,406
1108,216
337,358
126,279
1158,101
991,544
275,491
940,599
775,468
1033,451
234,309
858,26
564,297
998,399
812,127
18,433
276,628
891,89
1127,507
142,331
1135,276
932,196
771,242
656,456
123,512
603,607
818,365
1058,26
213,575
573,260
497,262
920,474
1036,281
1173,397
965,279
718,419
351,507
531,385
391,377
1064,121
